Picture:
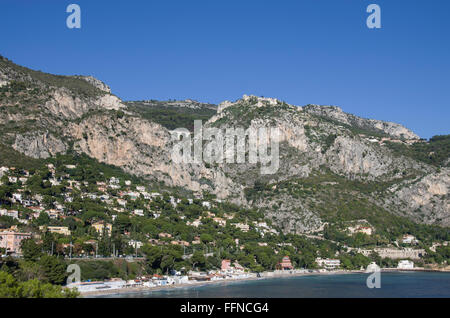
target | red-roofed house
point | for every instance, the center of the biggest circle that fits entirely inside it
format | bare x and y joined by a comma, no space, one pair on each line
285,264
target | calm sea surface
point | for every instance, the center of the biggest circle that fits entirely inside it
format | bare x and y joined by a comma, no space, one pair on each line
417,284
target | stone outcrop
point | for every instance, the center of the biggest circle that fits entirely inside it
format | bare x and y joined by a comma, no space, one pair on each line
315,142
336,113
353,157
144,148
426,198
39,145
63,103
95,82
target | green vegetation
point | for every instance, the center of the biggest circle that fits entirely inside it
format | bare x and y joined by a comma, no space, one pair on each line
46,260
12,158
339,200
107,269
245,111
441,255
329,141
11,288
172,117
36,275
354,129
88,169
76,85
354,261
434,152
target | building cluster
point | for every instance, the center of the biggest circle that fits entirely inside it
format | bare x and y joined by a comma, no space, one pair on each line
227,268
156,280
360,229
383,140
116,195
409,239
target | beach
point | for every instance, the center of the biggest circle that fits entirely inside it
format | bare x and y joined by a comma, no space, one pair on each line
264,276
192,283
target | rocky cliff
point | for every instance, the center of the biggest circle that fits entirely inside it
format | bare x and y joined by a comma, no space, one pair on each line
336,113
330,161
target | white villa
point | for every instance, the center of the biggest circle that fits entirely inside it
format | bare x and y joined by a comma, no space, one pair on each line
328,263
405,264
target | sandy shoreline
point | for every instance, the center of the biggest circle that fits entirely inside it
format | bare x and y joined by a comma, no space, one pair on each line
205,283
136,290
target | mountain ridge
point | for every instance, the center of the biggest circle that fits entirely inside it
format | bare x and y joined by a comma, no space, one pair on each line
44,114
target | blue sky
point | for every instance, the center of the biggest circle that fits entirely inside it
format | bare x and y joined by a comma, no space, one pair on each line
302,51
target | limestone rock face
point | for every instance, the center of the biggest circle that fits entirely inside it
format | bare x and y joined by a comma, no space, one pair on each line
109,102
39,146
223,105
322,160
291,214
95,82
255,100
144,148
426,198
336,113
351,156
63,103
308,144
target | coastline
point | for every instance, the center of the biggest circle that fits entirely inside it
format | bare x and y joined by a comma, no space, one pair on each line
140,289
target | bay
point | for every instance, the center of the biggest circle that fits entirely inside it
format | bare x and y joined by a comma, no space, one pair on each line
393,285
